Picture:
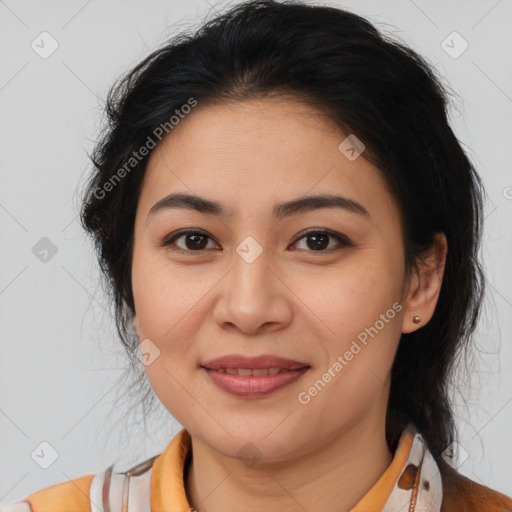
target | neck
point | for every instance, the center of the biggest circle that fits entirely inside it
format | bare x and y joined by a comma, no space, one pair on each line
333,478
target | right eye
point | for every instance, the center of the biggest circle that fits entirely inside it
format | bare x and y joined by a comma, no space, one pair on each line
190,240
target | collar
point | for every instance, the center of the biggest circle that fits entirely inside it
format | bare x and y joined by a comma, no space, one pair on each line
411,482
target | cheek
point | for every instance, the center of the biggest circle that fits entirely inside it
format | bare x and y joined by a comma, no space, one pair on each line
164,295
361,307
356,376
167,303
352,298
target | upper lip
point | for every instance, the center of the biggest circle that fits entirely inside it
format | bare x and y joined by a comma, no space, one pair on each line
258,362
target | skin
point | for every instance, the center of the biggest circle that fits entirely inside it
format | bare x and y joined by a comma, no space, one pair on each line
292,301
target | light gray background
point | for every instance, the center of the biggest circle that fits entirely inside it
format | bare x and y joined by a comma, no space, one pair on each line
60,359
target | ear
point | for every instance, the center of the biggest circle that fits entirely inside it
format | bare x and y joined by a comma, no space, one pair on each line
425,285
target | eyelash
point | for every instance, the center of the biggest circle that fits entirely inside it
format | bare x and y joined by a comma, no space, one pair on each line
343,241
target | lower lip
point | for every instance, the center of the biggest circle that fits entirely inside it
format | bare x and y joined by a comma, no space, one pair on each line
254,386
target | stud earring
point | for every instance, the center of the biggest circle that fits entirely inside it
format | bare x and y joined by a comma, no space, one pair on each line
416,319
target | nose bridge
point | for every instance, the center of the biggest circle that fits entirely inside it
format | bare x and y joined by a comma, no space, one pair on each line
252,295
251,276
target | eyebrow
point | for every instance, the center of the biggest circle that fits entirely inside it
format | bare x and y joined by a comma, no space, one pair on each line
281,210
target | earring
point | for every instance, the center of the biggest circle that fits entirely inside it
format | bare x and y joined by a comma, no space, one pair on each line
416,319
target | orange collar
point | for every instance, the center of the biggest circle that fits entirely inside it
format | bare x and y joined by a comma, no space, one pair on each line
168,487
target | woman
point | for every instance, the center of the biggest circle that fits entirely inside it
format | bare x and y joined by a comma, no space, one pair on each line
291,228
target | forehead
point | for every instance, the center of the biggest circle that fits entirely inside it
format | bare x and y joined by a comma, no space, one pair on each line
254,152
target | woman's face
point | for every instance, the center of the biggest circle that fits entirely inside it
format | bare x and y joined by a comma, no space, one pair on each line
252,282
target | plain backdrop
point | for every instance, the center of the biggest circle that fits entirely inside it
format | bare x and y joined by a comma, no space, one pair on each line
60,360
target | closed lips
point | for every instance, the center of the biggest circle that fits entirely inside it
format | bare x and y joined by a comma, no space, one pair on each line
246,372
245,366
253,376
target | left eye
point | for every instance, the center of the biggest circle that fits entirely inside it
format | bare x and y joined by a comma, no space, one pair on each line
319,241
315,240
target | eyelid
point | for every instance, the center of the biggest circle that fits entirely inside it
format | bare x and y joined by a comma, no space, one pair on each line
186,231
343,240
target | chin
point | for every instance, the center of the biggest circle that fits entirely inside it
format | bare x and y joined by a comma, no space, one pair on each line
248,440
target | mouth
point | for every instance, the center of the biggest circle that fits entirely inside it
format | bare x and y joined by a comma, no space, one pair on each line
255,372
253,377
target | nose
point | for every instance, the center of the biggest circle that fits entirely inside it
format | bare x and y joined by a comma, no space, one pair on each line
253,298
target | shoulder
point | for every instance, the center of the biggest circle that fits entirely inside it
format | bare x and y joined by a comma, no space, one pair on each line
461,494
70,495
108,490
